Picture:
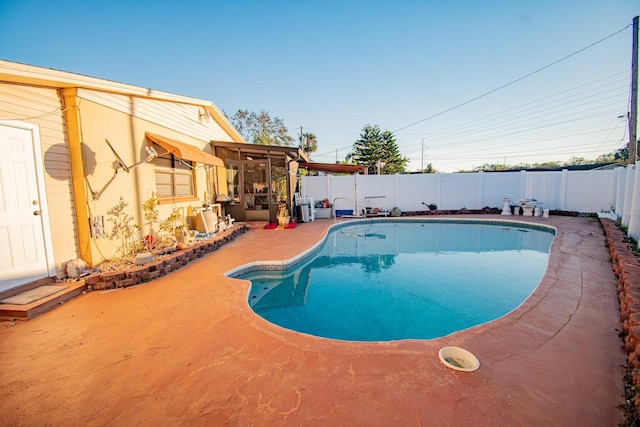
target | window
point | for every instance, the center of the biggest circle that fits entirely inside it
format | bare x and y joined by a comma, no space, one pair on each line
174,176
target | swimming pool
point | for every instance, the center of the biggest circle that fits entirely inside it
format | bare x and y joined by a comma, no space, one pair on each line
393,279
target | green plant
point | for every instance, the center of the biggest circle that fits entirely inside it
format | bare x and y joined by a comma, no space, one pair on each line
168,225
122,228
282,210
151,216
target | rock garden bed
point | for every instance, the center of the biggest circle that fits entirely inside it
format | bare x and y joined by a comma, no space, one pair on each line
124,272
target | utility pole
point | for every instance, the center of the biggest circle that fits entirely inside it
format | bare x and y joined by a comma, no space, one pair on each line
422,161
633,115
301,138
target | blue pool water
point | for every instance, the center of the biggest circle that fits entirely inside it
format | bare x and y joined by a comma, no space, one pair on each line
383,280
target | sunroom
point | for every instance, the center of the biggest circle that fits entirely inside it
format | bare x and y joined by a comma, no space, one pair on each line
258,178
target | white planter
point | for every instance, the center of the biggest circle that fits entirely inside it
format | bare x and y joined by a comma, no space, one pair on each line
323,213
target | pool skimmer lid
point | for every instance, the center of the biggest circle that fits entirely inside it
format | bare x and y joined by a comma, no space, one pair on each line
459,359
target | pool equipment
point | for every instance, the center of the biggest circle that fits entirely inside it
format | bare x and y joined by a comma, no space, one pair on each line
307,209
458,359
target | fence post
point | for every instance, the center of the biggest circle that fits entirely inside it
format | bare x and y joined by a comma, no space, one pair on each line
480,189
356,210
523,185
563,190
634,211
438,187
618,197
628,194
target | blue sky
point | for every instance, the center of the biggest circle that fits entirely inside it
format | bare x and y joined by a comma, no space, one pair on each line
333,67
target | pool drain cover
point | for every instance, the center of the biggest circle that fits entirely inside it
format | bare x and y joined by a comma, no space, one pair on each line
459,359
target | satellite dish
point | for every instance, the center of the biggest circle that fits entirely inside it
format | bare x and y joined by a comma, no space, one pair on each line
119,161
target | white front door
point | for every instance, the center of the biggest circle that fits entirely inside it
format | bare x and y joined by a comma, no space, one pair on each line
23,253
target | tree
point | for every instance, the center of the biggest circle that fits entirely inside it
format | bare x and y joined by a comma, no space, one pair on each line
491,167
308,142
260,128
429,169
622,154
378,148
577,161
606,158
550,164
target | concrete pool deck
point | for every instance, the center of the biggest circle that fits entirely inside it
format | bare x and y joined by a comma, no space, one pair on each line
186,349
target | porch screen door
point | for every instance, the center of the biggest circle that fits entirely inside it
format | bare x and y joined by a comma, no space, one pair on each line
257,190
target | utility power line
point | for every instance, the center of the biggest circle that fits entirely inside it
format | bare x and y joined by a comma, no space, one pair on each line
513,81
559,119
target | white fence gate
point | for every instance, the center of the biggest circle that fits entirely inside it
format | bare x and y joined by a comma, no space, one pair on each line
583,191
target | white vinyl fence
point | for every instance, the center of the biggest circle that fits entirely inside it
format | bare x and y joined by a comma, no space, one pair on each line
582,191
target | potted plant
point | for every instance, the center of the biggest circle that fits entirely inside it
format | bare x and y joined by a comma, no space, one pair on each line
283,214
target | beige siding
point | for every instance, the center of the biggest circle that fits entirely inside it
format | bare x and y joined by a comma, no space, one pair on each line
42,107
183,118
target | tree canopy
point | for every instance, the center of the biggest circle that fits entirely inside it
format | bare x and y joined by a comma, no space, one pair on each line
308,142
621,155
428,169
260,128
494,167
377,149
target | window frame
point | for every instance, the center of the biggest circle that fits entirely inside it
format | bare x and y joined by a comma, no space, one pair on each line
174,168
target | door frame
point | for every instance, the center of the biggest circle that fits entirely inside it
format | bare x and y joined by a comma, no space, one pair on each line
34,129
253,214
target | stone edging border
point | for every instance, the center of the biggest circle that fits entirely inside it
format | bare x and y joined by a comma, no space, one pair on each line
161,266
627,269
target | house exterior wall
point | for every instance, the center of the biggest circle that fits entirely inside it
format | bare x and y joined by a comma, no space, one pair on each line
76,114
42,106
108,117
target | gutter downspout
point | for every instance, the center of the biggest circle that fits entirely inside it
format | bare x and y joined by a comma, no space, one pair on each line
74,140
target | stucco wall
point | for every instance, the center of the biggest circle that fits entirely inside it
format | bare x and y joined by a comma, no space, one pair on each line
109,119
105,184
123,121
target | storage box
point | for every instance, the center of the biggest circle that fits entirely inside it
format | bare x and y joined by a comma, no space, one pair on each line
323,213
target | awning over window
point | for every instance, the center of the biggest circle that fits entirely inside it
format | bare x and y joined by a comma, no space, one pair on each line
184,151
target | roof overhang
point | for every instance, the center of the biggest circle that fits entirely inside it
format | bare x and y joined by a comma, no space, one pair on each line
184,151
14,72
335,167
295,153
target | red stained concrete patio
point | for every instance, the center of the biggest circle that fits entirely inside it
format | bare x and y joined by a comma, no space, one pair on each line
186,349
